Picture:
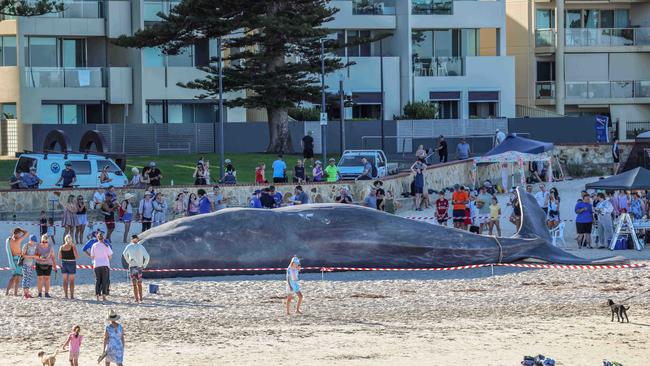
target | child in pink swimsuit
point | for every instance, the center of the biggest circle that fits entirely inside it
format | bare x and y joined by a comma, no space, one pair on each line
74,341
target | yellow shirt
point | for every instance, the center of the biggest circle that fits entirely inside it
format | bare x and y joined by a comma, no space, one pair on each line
494,211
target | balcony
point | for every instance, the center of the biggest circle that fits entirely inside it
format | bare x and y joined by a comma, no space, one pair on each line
545,37
373,7
607,37
608,89
56,77
79,9
545,90
429,7
439,66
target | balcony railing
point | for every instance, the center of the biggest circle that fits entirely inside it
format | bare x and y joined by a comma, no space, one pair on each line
373,7
545,37
427,7
56,77
607,37
545,89
153,7
439,66
608,89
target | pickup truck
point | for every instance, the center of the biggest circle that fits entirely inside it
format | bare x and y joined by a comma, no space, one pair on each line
350,165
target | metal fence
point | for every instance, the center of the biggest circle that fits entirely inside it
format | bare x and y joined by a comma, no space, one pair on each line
634,128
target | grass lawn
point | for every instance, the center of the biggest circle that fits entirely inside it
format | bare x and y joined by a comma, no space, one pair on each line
179,168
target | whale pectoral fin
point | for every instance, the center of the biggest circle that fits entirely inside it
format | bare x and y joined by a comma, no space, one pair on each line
533,218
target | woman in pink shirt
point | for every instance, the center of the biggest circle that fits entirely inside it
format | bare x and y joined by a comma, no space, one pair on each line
74,341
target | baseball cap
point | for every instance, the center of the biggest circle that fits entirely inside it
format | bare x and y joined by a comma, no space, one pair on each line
257,191
33,238
67,163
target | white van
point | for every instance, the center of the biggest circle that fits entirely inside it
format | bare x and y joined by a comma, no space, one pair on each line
86,166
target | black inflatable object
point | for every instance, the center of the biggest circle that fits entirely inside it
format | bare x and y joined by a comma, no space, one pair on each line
92,138
54,138
338,235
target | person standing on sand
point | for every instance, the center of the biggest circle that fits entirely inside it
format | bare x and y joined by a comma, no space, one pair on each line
74,342
68,256
113,340
13,245
45,263
293,285
137,258
101,254
29,255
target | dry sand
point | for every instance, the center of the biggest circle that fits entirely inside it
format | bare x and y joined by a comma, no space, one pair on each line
486,321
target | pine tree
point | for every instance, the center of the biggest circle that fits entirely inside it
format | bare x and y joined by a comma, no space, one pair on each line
29,7
275,52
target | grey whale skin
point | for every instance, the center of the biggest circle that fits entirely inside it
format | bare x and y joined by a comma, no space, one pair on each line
339,235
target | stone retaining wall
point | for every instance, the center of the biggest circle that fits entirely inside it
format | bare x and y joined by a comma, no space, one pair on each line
580,160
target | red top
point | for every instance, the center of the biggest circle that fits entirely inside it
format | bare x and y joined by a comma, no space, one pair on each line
442,207
259,176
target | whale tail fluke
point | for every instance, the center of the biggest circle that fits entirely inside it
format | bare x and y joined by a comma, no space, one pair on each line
533,218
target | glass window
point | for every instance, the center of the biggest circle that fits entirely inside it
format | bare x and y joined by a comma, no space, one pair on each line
9,110
184,57
545,18
573,19
42,52
153,58
446,109
607,19
154,113
81,166
9,51
592,18
483,109
545,71
353,51
364,48
72,114
112,168
469,42
206,113
49,114
442,43
621,18
74,53
340,38
366,111
422,44
151,10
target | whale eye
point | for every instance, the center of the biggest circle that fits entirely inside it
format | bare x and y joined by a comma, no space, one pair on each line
326,221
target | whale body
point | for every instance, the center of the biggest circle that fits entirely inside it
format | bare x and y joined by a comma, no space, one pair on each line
340,235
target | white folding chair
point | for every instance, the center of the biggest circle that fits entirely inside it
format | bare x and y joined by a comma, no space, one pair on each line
558,233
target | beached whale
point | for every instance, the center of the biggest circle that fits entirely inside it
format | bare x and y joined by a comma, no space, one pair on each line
338,235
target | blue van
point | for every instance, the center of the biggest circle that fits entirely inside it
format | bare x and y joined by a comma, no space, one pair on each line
86,166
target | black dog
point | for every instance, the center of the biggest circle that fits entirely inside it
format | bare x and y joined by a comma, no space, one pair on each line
618,309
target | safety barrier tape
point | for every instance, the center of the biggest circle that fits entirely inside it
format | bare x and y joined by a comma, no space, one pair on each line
372,269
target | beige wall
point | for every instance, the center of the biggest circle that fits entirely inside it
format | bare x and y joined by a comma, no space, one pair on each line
519,37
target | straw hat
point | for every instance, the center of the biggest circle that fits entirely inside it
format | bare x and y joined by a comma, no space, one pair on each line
128,196
112,316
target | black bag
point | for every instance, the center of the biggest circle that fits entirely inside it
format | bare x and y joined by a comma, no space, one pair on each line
473,229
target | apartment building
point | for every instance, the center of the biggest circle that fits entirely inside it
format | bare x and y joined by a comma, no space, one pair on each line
62,68
584,58
451,53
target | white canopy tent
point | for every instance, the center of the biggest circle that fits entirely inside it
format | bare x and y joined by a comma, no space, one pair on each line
511,160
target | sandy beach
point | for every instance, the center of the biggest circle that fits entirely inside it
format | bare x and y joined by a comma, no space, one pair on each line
486,321
465,317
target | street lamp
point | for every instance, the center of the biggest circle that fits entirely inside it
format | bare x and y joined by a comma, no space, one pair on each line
381,78
323,113
221,122
342,110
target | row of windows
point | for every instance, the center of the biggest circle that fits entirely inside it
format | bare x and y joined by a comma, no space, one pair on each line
166,112
584,18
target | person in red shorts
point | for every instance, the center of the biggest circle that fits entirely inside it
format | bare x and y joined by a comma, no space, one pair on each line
442,208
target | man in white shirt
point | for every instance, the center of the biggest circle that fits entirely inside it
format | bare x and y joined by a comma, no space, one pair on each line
542,198
137,258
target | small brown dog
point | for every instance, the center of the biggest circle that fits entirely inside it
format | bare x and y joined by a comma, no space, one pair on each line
619,309
48,360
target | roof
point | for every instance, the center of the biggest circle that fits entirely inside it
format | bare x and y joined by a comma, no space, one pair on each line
520,144
644,135
637,178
